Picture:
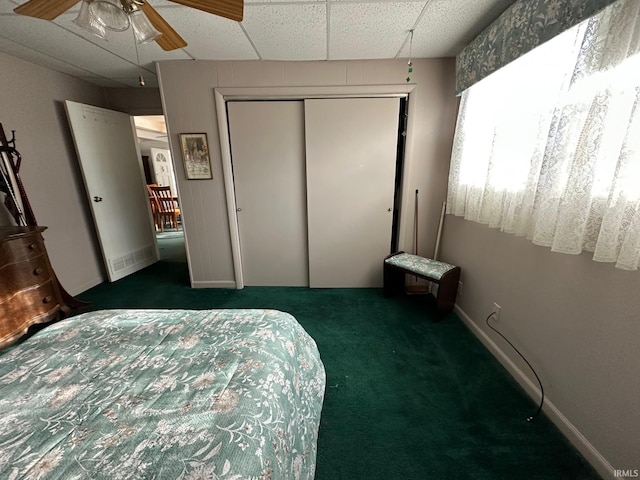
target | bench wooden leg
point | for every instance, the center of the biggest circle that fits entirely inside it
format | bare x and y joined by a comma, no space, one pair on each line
393,281
447,291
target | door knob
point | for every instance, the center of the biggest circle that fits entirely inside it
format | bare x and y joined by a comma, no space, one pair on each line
97,199
389,209
238,209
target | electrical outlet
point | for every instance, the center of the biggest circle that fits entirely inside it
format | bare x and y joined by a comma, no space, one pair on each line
496,310
459,289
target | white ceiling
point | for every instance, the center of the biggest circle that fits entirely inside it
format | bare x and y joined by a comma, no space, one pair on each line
271,30
151,131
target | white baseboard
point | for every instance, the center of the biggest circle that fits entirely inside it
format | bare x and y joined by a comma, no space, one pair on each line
590,453
213,284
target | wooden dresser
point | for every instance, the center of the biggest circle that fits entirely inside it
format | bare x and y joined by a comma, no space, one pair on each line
29,290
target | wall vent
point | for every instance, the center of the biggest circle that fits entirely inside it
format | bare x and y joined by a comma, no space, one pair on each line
131,259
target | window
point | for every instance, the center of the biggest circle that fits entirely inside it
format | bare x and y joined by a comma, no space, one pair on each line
549,146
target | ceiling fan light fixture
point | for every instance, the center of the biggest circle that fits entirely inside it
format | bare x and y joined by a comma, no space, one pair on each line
142,28
89,22
110,15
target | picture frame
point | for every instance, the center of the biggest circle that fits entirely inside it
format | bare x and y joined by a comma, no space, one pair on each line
195,155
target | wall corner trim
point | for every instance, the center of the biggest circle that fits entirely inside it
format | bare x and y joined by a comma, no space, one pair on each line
229,186
579,441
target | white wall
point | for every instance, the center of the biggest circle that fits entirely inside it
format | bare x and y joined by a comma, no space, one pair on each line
134,101
32,104
187,89
578,323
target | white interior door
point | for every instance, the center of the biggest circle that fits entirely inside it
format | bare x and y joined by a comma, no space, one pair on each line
163,168
351,156
107,150
267,151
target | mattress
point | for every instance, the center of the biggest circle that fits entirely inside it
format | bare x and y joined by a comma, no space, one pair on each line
166,394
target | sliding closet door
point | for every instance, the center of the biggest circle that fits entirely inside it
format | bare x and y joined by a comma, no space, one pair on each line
351,157
267,151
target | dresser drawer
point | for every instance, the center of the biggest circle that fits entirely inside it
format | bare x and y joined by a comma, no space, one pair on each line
18,276
16,250
41,302
29,290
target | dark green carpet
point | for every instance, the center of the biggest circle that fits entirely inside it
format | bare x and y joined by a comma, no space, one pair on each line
406,398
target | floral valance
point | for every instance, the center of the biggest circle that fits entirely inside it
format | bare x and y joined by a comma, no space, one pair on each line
521,28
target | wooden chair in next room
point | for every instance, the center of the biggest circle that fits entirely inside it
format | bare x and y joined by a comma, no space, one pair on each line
167,206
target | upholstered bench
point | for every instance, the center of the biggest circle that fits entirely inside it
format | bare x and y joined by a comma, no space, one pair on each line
444,275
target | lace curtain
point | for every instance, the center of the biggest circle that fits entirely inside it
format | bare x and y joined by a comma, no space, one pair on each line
549,146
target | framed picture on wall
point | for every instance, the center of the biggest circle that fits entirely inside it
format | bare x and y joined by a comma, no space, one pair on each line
195,154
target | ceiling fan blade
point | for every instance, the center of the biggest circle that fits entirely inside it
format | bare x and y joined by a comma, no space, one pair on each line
231,9
44,9
170,40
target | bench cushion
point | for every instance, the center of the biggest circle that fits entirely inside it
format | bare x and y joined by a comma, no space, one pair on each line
420,265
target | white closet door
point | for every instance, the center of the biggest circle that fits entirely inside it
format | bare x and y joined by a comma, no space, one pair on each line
351,158
267,151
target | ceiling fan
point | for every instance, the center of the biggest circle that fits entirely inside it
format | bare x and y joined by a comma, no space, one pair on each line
169,40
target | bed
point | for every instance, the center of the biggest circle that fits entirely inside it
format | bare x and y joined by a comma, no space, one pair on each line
162,394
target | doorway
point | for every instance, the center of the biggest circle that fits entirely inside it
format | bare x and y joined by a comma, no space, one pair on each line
159,170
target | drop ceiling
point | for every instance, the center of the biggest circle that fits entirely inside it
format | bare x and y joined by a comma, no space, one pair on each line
277,30
151,131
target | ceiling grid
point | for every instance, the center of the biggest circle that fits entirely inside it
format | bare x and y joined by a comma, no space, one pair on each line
280,30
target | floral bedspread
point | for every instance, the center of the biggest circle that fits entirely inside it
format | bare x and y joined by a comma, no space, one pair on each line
162,394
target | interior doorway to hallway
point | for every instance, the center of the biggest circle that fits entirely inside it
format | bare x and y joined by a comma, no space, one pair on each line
159,170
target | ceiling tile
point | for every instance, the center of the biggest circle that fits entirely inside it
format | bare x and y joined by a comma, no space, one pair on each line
288,32
25,53
449,25
209,37
47,38
370,30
